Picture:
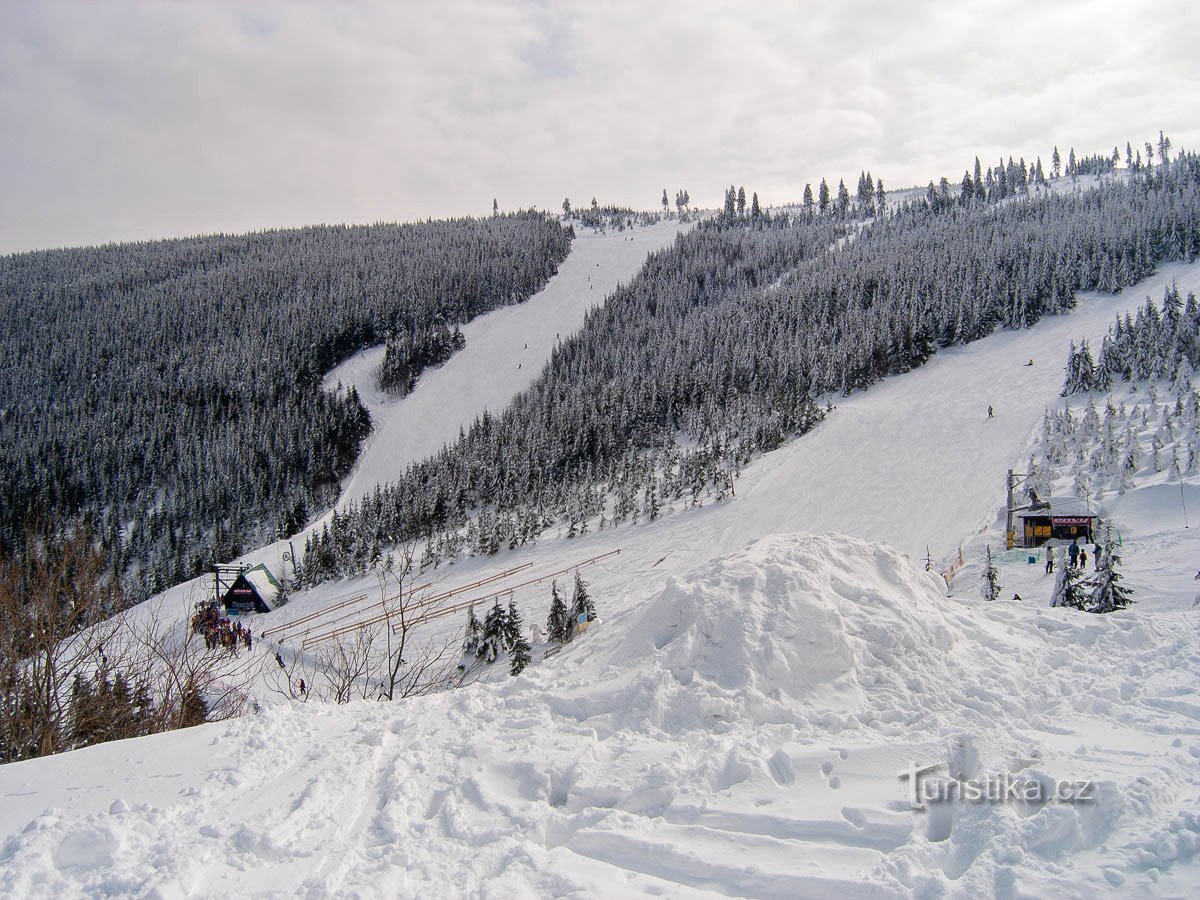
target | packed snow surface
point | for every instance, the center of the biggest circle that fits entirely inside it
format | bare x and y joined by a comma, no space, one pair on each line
741,733
737,722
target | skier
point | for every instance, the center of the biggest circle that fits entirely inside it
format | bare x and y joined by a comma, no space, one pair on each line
1030,363
1082,558
991,412
279,659
1073,550
1096,556
1049,559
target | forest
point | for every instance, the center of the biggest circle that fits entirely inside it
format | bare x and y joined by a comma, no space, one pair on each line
727,343
167,395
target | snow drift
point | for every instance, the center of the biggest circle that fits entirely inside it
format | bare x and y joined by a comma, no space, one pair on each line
791,621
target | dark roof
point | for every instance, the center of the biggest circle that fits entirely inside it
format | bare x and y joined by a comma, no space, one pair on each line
1059,506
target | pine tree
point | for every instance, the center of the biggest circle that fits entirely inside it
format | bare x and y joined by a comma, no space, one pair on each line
990,587
493,633
1069,588
1055,163
1109,594
823,196
1081,370
808,200
581,601
518,647
470,642
558,623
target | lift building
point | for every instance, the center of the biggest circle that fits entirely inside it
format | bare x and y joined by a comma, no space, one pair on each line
1060,519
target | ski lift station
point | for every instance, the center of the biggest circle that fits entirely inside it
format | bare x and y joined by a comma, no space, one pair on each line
1059,518
243,591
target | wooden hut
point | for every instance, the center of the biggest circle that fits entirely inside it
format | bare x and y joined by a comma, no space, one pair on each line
253,590
1059,519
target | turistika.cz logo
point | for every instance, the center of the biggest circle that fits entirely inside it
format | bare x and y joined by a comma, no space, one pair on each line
1002,788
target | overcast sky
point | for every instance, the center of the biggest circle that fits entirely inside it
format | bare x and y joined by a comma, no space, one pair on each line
126,121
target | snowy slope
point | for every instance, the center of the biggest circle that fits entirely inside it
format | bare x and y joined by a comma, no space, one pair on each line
738,734
736,724
506,350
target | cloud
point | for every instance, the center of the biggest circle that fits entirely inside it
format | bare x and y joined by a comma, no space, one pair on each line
138,120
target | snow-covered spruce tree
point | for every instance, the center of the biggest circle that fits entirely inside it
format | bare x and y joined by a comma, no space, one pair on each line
581,602
1081,370
558,623
492,641
473,635
1069,588
1108,594
518,646
989,586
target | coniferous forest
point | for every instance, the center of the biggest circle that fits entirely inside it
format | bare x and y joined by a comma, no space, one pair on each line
170,392
725,344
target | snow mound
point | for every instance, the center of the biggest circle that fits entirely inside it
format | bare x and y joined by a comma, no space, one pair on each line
791,624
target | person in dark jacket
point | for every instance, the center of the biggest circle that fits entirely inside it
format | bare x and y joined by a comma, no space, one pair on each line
1073,551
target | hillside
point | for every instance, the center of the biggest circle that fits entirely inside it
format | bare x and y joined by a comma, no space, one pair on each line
168,393
695,746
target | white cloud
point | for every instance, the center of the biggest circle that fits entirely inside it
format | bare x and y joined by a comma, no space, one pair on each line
137,120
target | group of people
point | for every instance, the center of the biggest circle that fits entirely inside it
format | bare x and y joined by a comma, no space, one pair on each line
219,632
1077,556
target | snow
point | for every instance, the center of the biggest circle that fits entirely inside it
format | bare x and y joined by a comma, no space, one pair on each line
736,723
506,350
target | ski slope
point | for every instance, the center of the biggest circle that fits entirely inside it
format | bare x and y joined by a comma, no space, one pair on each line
736,724
506,350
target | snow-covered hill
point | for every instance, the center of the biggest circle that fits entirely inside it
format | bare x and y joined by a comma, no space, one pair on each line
735,725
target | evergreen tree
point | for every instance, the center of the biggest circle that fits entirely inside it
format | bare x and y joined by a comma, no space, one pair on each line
823,196
1081,370
492,641
990,587
1055,163
1069,588
581,601
808,200
665,201
558,622
470,644
518,647
1108,594
741,202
